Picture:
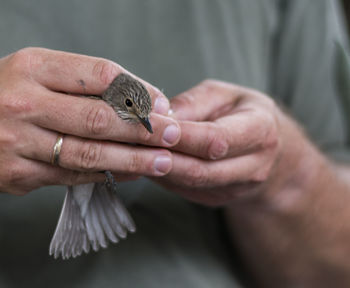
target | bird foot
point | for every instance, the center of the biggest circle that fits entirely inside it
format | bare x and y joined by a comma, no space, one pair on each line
110,182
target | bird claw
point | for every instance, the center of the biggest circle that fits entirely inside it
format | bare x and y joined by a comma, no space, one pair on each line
110,182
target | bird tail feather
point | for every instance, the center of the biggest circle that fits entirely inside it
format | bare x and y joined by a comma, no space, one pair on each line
104,219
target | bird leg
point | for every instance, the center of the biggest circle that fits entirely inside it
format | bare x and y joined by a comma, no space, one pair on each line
110,182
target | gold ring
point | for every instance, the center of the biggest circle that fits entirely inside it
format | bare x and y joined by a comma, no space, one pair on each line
57,150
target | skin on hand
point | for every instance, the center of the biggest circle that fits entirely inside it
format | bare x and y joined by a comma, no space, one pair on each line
231,143
286,204
38,89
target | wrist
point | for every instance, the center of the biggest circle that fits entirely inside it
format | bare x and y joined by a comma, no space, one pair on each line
294,216
297,172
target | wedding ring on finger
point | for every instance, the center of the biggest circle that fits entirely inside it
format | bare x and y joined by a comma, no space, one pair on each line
55,157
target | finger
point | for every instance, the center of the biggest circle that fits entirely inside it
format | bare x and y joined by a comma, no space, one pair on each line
237,134
80,74
95,119
189,172
199,103
87,155
26,175
83,155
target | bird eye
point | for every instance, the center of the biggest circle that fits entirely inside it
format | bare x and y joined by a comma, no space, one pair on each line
128,102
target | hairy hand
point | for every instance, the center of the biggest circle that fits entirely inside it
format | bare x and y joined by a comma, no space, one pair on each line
234,142
37,100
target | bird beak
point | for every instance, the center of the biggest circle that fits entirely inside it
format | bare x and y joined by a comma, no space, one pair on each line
145,122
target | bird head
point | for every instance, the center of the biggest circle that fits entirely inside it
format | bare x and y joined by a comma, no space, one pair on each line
130,100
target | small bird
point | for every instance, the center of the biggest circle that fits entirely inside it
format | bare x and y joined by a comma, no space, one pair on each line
92,215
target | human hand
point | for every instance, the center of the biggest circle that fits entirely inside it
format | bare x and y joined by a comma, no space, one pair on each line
235,142
37,88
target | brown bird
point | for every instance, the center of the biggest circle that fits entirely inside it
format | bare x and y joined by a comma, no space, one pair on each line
92,215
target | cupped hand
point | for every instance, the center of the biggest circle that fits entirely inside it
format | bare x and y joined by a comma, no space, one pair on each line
38,89
235,142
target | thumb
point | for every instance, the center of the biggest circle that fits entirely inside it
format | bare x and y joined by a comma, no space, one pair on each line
204,99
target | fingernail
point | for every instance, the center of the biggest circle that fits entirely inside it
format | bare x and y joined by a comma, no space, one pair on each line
162,165
161,106
218,150
171,134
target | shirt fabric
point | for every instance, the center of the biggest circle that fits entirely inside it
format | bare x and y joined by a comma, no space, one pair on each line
292,50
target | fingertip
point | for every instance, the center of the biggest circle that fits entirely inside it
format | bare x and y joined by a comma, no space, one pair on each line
161,105
171,134
162,165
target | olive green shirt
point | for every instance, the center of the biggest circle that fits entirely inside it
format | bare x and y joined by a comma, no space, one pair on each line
292,50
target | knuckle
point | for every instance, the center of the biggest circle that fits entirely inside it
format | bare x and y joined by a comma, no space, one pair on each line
134,163
20,61
196,176
98,119
14,174
270,139
264,129
105,71
90,155
8,141
19,105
